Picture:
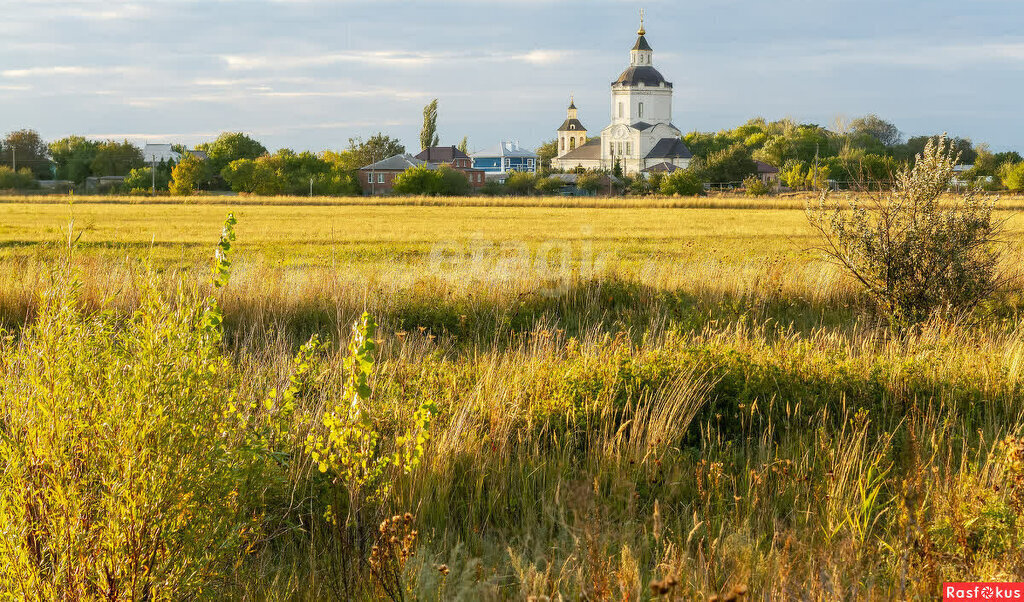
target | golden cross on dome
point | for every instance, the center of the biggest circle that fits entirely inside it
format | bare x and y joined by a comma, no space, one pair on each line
641,31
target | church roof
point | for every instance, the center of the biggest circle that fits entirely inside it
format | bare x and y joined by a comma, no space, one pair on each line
589,151
572,125
664,167
641,74
669,148
641,44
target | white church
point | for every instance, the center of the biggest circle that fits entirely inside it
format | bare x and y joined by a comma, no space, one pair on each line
640,137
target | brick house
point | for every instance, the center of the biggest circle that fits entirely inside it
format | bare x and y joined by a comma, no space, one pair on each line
379,177
456,159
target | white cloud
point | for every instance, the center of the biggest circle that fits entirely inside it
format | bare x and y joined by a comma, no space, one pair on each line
71,70
387,58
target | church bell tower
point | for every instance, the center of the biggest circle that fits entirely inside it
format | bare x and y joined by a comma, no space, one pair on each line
571,134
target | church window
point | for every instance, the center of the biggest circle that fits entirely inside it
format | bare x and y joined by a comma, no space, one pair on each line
563,143
629,149
620,110
611,148
619,149
640,110
572,143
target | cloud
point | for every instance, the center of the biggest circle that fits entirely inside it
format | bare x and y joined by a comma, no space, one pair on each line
387,58
72,70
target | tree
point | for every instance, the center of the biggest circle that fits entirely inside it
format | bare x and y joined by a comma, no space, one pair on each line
520,183
252,176
755,186
424,180
545,153
25,149
73,157
428,135
464,145
115,158
188,174
732,164
1012,175
23,179
877,128
231,146
793,174
913,255
589,181
683,182
361,154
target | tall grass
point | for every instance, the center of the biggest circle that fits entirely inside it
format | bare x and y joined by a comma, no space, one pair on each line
662,432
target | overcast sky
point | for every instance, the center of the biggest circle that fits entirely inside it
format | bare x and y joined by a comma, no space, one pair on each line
310,74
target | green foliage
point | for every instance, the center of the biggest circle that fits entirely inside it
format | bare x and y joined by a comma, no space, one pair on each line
732,164
1012,175
25,148
683,182
545,153
589,181
755,186
188,175
464,145
73,158
521,183
229,147
140,179
548,186
794,174
878,129
113,158
362,153
914,255
428,134
432,182
23,179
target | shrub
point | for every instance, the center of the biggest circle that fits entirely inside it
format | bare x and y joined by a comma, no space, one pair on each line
589,181
682,182
520,183
549,185
913,255
424,180
755,186
17,180
187,175
121,480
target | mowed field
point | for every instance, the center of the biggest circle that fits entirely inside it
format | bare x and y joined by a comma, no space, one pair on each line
660,399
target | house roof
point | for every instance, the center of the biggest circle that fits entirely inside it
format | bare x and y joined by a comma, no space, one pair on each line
155,153
664,167
641,44
398,163
589,151
763,167
572,125
444,154
641,74
669,148
506,149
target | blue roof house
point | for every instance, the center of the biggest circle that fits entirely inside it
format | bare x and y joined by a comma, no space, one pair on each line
506,157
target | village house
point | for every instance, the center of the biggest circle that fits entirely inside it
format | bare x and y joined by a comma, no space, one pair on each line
505,158
454,158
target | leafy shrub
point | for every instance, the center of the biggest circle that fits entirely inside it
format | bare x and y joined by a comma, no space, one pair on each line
682,182
913,255
755,186
23,179
589,181
521,183
549,185
121,478
1012,175
187,175
424,180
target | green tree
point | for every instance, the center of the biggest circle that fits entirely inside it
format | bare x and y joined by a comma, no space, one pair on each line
24,148
115,158
253,177
683,182
464,145
231,146
876,128
428,135
188,174
23,179
520,184
361,153
426,181
589,181
1012,175
732,164
794,174
545,153
73,157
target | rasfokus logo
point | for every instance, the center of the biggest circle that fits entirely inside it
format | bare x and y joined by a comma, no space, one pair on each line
983,591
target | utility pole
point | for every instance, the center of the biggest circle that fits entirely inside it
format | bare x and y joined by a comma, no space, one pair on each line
311,187
152,171
14,159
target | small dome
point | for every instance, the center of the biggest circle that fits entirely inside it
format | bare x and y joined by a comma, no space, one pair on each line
642,74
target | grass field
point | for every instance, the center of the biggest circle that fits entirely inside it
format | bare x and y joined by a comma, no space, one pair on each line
653,400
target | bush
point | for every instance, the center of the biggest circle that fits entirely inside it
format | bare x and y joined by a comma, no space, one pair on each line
17,180
549,185
915,256
755,186
682,182
1012,175
589,181
520,183
424,180
187,175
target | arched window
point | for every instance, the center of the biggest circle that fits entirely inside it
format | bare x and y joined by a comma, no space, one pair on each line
563,143
572,143
640,110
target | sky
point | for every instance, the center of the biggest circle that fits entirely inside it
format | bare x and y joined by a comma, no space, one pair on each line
308,74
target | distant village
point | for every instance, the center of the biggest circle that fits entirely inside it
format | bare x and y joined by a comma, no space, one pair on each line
639,151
